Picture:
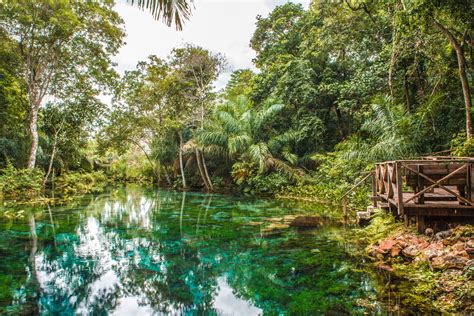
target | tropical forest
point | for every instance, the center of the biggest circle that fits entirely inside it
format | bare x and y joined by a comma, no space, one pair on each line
260,157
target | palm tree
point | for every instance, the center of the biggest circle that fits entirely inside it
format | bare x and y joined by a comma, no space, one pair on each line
168,11
237,133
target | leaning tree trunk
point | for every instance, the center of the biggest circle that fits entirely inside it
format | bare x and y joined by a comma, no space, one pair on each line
201,171
180,153
206,173
34,136
51,159
462,75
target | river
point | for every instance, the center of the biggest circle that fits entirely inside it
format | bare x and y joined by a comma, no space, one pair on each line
144,251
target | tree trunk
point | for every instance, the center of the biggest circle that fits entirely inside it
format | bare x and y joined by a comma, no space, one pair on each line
465,90
34,136
180,152
147,157
167,177
462,75
201,171
206,173
50,166
406,93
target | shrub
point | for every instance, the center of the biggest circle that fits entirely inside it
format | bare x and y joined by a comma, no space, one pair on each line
461,146
21,184
250,181
74,183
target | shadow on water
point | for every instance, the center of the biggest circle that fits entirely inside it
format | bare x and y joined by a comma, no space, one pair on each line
139,251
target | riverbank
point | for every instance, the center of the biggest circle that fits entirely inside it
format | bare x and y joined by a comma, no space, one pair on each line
429,273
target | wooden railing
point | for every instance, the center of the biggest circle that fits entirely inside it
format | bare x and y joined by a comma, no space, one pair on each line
453,175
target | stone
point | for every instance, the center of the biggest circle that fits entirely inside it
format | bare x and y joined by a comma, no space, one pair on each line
273,229
429,232
386,245
443,234
410,251
363,218
253,223
306,221
395,251
462,253
289,218
275,219
433,250
384,267
449,262
459,246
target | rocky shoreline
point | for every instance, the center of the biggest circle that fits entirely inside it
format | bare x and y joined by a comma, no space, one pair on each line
434,272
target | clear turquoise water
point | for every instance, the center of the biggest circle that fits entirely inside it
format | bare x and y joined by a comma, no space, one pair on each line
137,251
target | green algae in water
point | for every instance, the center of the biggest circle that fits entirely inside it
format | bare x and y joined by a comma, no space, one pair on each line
145,251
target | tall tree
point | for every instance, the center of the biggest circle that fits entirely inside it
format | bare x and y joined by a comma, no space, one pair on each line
60,43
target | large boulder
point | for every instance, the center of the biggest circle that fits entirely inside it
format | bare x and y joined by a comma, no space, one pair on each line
306,221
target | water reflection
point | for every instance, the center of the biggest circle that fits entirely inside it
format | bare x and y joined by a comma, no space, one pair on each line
141,251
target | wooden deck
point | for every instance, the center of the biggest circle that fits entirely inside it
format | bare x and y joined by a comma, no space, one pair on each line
425,188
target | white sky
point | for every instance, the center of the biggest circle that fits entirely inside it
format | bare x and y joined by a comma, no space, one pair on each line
223,26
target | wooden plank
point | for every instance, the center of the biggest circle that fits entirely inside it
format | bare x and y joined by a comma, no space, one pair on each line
434,205
439,212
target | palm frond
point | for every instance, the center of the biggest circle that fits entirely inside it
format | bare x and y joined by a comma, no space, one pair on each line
266,114
260,155
238,143
169,11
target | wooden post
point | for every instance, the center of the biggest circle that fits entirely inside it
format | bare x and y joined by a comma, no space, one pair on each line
421,198
469,188
401,210
374,190
420,223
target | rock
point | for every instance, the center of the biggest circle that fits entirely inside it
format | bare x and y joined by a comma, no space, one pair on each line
386,245
384,267
449,262
443,234
306,221
395,251
459,246
273,229
470,243
462,253
253,223
429,232
289,218
469,265
410,251
433,250
363,218
275,219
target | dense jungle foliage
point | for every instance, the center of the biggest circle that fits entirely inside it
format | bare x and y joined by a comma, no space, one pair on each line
339,86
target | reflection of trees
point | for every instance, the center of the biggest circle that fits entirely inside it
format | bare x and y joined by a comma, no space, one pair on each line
168,251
